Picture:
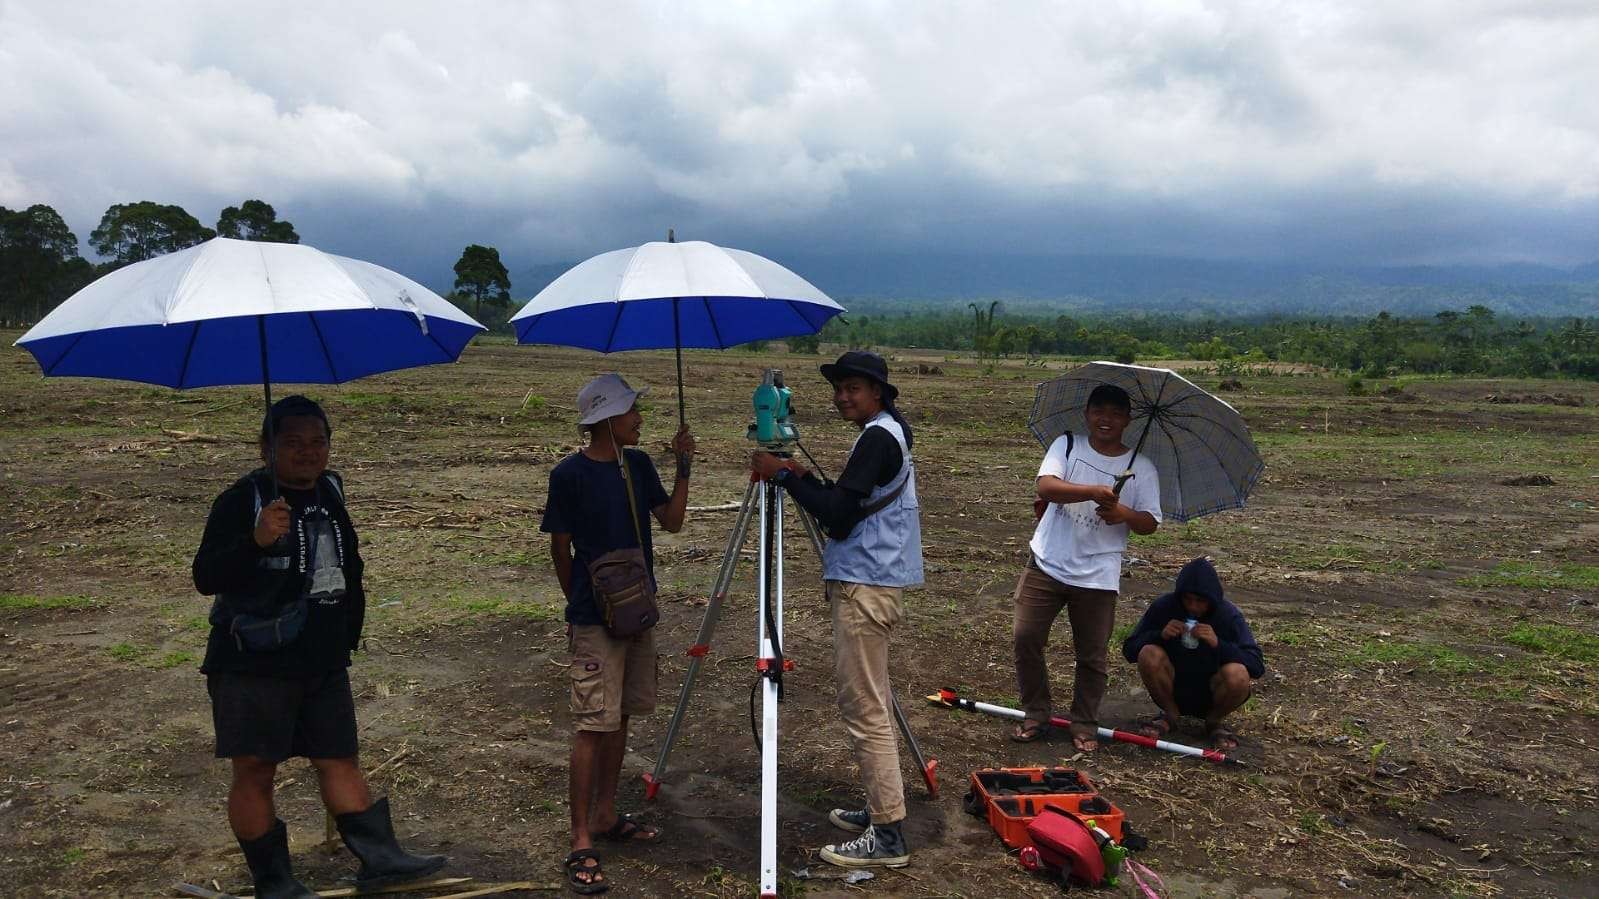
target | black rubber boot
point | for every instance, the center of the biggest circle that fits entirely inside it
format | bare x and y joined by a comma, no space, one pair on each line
268,858
370,835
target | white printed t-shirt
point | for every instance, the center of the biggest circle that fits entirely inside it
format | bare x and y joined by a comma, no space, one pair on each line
1072,544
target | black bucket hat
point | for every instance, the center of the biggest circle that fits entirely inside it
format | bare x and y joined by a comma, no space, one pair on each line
867,365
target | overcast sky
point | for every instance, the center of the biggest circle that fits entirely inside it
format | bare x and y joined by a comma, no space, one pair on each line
1342,132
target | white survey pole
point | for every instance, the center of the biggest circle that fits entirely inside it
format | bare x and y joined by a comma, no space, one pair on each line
770,586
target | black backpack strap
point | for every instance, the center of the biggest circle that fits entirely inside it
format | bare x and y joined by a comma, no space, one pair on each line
886,499
883,501
1067,459
336,484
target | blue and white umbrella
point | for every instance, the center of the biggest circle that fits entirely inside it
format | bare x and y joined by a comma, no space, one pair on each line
665,294
1199,444
247,312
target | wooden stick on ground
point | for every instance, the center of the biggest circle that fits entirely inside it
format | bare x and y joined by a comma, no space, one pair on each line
221,407
431,883
189,889
390,761
188,437
495,888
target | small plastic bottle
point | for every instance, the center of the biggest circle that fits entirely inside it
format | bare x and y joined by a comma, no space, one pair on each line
1189,640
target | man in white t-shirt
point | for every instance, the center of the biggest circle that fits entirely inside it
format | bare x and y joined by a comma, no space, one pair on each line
1076,561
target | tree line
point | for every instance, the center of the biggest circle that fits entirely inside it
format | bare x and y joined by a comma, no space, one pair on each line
1472,341
40,264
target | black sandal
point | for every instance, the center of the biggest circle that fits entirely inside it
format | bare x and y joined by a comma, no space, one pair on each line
1030,731
628,829
1160,723
575,869
1222,738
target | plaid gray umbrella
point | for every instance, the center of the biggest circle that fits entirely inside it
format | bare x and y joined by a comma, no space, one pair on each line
1199,444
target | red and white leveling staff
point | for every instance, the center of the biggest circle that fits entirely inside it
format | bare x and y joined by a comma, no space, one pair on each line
950,699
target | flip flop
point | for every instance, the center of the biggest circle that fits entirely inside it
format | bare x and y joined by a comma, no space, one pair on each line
1030,731
628,829
1222,734
1156,726
596,882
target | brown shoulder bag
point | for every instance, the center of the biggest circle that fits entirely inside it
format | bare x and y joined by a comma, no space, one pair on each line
621,578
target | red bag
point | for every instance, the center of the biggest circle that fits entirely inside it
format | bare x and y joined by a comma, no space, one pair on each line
1066,844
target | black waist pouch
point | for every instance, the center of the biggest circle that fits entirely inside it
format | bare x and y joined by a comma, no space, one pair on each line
257,622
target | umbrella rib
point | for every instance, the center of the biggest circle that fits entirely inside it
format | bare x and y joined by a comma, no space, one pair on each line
615,323
797,313
333,369
1213,452
68,351
188,351
1177,460
526,326
443,350
706,302
166,307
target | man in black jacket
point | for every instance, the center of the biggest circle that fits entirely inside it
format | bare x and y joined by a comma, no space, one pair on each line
1196,655
281,557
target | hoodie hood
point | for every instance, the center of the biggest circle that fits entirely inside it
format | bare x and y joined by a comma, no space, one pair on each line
1199,576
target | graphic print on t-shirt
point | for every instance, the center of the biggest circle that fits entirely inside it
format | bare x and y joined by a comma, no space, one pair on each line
324,558
1085,514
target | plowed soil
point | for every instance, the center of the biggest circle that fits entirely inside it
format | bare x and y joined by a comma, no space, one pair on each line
1427,724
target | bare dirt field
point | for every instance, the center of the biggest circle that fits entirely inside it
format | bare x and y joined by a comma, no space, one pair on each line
1428,724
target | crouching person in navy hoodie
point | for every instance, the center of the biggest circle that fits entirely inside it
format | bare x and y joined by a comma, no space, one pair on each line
1196,655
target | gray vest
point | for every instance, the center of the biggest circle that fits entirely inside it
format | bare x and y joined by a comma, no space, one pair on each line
885,549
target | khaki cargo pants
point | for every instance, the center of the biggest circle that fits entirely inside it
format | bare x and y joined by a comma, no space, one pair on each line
863,618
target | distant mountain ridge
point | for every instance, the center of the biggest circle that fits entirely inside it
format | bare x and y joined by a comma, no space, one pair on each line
1164,284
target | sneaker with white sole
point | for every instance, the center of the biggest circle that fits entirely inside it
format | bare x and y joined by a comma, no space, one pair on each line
852,820
877,845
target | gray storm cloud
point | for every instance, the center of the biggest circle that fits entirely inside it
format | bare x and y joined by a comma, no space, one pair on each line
1357,131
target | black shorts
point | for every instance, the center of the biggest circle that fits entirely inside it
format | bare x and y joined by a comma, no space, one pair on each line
276,718
1193,692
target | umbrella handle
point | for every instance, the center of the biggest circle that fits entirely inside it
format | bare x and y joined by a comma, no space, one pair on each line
1121,481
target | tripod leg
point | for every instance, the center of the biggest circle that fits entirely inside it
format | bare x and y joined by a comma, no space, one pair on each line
702,642
811,530
929,769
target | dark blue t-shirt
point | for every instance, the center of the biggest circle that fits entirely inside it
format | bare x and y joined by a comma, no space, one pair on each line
587,501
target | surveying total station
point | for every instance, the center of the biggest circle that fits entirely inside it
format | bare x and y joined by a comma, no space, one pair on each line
773,430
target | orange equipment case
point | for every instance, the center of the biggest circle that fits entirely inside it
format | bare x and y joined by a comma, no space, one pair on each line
1012,797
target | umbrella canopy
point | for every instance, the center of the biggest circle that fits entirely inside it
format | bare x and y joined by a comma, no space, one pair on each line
1199,444
246,312
661,295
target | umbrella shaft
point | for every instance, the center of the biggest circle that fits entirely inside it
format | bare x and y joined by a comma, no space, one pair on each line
677,343
266,388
